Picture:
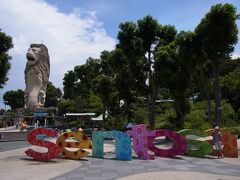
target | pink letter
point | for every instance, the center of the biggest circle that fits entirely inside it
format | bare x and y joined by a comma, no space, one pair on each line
179,143
140,136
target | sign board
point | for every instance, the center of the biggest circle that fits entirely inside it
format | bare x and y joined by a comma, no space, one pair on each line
40,113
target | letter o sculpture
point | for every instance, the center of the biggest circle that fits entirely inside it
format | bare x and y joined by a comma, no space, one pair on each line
179,143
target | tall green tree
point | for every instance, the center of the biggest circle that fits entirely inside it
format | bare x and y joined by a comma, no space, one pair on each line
53,95
69,80
230,89
123,83
103,86
218,33
15,99
174,68
78,82
5,45
138,41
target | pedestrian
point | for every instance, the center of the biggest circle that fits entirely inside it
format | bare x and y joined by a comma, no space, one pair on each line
217,141
38,123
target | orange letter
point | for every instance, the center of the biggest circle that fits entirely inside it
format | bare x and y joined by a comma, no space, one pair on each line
81,142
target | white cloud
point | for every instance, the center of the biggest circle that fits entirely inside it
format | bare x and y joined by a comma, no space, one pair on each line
70,38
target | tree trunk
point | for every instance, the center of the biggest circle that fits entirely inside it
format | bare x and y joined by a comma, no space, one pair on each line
217,94
209,108
152,115
103,113
152,94
207,96
181,112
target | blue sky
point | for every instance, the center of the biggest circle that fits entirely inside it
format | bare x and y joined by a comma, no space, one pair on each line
184,14
74,30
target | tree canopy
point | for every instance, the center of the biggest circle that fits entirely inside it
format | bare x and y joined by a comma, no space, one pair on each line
218,33
5,45
15,99
153,61
53,95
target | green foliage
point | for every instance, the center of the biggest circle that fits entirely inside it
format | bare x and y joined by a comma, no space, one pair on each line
138,41
217,33
94,104
167,119
218,42
197,120
228,119
66,106
5,45
230,88
150,56
15,99
53,95
174,66
235,130
117,122
68,84
229,65
140,116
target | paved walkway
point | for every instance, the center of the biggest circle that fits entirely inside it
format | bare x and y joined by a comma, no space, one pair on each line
14,164
161,168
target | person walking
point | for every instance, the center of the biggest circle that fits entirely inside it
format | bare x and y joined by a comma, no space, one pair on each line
217,141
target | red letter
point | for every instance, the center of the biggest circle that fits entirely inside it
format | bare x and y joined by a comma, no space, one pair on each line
53,149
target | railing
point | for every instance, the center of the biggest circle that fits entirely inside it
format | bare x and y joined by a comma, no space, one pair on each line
13,136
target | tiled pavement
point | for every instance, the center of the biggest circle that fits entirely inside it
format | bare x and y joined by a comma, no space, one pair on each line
111,169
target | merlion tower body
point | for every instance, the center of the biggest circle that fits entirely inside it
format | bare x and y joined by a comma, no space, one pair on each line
36,76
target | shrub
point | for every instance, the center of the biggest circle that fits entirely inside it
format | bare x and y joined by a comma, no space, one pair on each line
197,120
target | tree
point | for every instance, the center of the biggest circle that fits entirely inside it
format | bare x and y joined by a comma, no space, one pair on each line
230,89
218,33
174,68
15,99
138,42
53,95
69,81
66,106
103,86
123,77
5,45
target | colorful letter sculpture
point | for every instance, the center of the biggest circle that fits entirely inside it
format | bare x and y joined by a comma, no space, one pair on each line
53,149
201,148
229,143
179,143
143,144
97,141
140,136
83,142
122,144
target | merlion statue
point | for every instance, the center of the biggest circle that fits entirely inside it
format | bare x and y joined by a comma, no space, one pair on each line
36,76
